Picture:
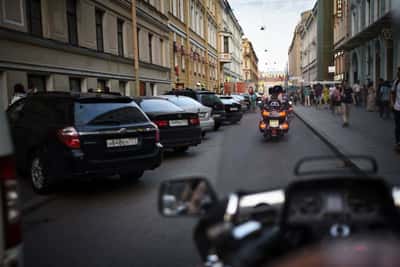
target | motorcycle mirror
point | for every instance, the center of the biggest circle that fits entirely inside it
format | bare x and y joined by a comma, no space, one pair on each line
290,103
185,197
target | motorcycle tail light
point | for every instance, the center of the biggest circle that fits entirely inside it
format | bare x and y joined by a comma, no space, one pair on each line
282,114
263,125
284,126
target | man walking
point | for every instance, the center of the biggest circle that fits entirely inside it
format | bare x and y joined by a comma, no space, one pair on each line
384,109
307,93
347,101
357,93
395,101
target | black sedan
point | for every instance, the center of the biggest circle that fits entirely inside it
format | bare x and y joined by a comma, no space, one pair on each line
178,129
233,109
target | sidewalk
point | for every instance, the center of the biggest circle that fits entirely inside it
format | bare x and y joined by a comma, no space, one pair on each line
367,135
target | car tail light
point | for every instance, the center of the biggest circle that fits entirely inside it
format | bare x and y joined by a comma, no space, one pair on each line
265,113
161,123
11,213
69,136
194,121
157,135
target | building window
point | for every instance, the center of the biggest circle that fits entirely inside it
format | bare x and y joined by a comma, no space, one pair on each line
34,13
72,22
120,37
150,37
74,84
138,41
36,83
162,53
122,88
226,44
101,84
99,30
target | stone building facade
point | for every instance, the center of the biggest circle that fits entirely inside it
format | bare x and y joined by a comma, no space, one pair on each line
294,65
249,62
373,45
193,43
76,45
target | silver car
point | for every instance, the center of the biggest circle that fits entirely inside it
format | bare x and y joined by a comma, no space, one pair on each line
10,218
189,104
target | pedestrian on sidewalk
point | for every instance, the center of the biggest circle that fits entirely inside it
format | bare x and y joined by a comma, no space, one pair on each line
384,94
371,103
378,94
364,93
337,99
19,92
332,91
347,96
312,96
395,100
357,93
318,95
325,96
307,92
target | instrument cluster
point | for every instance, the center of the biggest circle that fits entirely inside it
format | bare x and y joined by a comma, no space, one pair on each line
337,205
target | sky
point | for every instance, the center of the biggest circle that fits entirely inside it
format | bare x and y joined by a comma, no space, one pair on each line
280,18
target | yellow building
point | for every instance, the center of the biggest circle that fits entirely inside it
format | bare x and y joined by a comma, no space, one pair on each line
193,37
249,62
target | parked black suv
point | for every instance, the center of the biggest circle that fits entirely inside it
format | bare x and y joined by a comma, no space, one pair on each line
207,98
59,136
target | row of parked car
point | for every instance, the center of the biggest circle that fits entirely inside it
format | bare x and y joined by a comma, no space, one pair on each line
63,135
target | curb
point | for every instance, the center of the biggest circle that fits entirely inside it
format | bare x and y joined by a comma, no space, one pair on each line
330,143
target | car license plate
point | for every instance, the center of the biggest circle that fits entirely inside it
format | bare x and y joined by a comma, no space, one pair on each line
274,123
122,142
174,123
234,109
216,115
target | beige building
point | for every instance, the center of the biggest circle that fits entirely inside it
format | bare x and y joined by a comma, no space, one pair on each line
194,43
249,62
294,66
309,47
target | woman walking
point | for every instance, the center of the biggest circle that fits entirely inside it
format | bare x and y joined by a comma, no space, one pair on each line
371,103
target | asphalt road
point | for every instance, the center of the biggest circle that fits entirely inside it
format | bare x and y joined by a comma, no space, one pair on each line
111,223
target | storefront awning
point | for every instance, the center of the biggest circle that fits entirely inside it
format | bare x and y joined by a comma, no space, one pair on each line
371,32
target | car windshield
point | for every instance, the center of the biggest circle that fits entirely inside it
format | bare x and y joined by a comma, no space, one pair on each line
158,105
130,94
107,113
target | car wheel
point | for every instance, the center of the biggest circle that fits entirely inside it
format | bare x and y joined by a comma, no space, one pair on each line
181,149
39,175
131,176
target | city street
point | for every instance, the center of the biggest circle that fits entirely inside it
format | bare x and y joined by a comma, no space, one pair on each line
111,223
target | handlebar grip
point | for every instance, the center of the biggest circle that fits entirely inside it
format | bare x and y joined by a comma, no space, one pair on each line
256,251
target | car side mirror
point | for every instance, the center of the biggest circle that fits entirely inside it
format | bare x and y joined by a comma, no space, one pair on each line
185,197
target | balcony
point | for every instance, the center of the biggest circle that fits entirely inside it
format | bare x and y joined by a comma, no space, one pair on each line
225,57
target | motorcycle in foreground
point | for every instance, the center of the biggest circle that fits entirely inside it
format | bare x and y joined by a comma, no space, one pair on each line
329,220
274,123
